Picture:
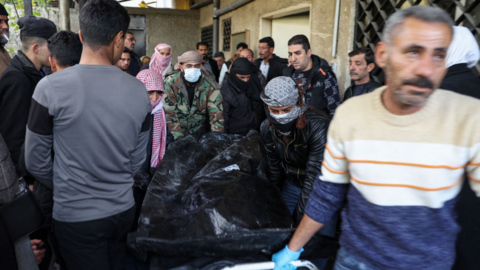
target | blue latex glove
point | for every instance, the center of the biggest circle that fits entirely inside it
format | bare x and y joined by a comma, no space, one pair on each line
283,258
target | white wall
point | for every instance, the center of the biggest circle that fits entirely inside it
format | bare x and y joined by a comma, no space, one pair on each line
285,28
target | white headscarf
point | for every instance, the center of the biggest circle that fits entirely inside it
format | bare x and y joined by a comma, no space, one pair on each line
463,49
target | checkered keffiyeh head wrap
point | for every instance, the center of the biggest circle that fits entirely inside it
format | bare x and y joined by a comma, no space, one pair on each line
154,82
160,63
279,92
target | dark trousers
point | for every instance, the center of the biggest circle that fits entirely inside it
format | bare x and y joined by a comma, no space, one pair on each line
95,244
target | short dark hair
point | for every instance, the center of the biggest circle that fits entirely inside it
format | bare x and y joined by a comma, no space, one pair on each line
269,41
300,40
242,45
369,56
28,41
65,47
219,54
128,32
126,50
202,43
101,21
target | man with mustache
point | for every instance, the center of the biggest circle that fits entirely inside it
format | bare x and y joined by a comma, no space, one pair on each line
362,62
270,64
4,38
313,74
208,63
395,158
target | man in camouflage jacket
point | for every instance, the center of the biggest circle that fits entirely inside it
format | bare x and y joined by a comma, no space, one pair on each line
192,106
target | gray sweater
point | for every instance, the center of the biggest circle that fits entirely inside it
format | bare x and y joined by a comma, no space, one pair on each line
97,119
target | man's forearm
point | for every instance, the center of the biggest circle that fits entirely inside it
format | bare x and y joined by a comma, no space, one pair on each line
307,228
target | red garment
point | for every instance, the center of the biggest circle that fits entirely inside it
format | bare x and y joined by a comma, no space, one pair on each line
160,63
154,82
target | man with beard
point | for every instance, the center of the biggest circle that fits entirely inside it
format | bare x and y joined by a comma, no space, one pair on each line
242,106
18,82
362,62
124,62
192,100
269,64
208,63
313,74
396,157
4,38
135,63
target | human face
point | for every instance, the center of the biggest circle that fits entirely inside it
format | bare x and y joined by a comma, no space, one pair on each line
165,52
238,51
124,61
203,50
154,95
299,58
244,78
220,60
414,64
190,65
247,54
4,29
281,110
359,70
43,54
264,51
130,41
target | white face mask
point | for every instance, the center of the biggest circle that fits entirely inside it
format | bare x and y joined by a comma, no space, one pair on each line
192,74
287,117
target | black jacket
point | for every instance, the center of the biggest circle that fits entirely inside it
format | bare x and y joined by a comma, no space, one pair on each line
460,79
135,64
318,93
369,87
238,114
214,66
277,65
16,89
299,161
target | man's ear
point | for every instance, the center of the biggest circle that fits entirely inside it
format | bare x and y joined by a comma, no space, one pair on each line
119,40
181,68
271,49
370,67
53,64
381,54
80,36
309,52
35,48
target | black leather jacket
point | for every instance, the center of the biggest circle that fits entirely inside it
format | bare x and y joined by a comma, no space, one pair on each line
369,87
301,160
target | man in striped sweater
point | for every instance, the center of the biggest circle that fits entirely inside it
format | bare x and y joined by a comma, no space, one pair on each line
396,157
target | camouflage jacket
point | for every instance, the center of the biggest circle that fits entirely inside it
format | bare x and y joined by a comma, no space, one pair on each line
182,119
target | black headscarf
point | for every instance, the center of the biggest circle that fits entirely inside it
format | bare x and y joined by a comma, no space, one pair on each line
253,87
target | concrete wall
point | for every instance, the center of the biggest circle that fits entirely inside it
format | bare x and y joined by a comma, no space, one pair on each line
179,28
256,15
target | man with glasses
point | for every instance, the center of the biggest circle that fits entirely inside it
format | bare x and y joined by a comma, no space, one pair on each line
135,63
192,100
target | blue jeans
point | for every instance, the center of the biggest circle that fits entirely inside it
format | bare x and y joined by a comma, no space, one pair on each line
345,261
290,194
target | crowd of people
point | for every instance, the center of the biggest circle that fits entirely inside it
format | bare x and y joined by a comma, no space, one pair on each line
82,117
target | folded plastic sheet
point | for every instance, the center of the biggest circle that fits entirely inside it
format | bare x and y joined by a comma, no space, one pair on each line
212,198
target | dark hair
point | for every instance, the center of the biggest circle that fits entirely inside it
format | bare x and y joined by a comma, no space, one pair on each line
66,48
300,40
126,50
101,21
369,56
128,32
28,41
219,54
269,41
242,45
203,43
